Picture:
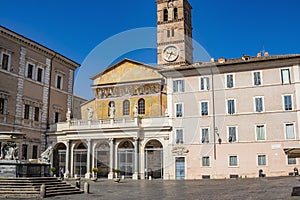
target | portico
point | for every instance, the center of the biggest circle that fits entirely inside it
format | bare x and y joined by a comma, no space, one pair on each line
128,146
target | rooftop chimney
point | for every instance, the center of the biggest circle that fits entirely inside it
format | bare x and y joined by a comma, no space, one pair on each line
222,60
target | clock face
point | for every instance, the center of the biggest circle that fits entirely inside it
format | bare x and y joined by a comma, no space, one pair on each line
170,53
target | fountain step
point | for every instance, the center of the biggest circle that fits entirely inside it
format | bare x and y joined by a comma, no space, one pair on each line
30,187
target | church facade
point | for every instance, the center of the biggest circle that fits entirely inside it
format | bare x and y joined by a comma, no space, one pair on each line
185,120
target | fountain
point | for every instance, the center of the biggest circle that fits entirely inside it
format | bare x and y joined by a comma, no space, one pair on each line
11,166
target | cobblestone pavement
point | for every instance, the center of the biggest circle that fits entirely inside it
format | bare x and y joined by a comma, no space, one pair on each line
241,189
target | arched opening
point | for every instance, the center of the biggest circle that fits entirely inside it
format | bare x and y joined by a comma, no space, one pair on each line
102,160
175,13
80,160
126,158
126,108
59,158
166,15
154,160
141,106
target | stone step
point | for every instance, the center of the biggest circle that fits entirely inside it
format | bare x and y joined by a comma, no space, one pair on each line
30,187
19,196
48,194
19,192
19,189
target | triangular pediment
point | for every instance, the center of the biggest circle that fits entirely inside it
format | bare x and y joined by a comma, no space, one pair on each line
126,71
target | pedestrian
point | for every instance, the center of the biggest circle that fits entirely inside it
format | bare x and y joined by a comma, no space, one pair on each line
296,172
61,173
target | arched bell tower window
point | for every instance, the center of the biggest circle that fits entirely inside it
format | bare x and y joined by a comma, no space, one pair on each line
175,13
166,15
126,107
110,104
141,106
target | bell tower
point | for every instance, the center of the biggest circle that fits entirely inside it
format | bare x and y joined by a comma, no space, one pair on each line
174,33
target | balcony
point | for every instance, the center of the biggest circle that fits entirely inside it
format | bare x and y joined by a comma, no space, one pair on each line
137,122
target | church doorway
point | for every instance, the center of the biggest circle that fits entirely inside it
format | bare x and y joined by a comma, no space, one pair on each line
102,160
80,160
154,160
59,158
126,158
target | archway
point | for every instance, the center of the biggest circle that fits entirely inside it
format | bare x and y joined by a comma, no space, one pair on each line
80,160
154,160
59,158
126,158
102,159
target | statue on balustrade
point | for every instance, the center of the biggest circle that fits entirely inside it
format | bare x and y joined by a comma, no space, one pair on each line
68,115
112,111
136,110
90,113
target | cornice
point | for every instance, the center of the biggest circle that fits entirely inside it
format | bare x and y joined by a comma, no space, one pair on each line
28,43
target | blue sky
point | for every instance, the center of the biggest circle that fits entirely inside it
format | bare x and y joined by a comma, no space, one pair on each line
225,28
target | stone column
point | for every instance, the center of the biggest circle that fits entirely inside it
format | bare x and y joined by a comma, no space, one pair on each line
72,160
111,158
67,170
136,159
88,160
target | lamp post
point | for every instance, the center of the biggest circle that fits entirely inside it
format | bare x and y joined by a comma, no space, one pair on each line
216,133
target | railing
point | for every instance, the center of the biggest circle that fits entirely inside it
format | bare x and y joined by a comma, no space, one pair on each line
113,123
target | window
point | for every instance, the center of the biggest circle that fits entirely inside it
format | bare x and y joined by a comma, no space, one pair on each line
205,161
204,108
178,86
59,82
231,106
166,15
5,61
204,83
229,81
175,13
36,114
56,117
126,107
141,106
26,111
257,78
292,161
173,32
179,110
259,104
24,151
233,161
30,70
2,103
285,76
205,135
289,131
232,135
288,105
179,136
168,33
260,132
39,74
261,160
34,152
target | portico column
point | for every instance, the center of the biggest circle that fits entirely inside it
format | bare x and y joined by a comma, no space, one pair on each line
67,170
136,159
88,165
111,158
